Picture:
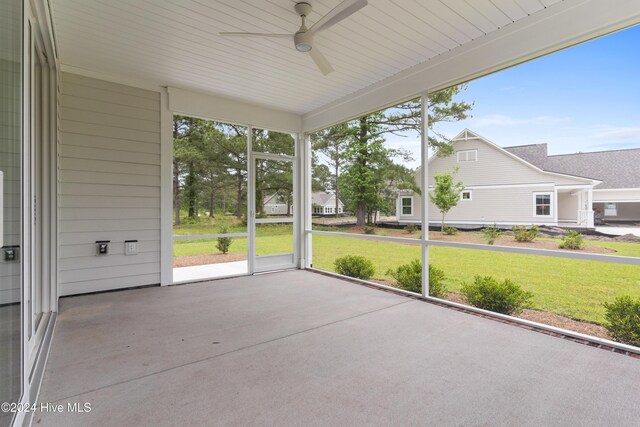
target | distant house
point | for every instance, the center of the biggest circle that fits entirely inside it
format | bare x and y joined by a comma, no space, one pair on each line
275,204
525,185
325,204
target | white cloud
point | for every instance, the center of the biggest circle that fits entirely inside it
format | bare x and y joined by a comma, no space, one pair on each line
504,120
618,133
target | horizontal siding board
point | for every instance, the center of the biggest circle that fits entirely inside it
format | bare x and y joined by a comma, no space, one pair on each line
93,261
89,237
109,284
72,201
109,272
89,153
109,213
93,117
109,96
109,178
99,142
9,269
114,87
109,108
75,226
73,126
9,296
79,164
108,190
117,248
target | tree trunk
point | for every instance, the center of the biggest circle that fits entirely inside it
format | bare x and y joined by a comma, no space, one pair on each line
239,194
361,211
211,202
361,214
176,194
442,226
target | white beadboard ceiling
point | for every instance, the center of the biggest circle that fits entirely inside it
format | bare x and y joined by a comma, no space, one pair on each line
176,43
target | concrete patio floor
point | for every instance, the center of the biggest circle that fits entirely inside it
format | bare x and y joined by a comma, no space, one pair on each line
299,348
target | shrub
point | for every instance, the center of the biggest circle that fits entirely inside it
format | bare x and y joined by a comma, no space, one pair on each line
411,228
502,297
409,278
369,229
223,243
572,240
623,320
491,234
521,234
450,230
355,266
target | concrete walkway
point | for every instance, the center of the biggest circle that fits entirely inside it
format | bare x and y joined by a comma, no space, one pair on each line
209,271
619,231
299,348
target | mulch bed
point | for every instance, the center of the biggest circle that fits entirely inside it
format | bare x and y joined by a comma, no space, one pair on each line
551,319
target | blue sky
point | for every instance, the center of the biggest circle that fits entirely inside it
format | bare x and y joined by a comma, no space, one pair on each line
585,98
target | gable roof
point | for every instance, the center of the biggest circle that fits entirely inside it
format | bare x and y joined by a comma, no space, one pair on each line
320,198
615,168
467,134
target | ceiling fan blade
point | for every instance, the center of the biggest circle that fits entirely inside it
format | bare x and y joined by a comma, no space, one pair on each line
340,12
235,34
322,63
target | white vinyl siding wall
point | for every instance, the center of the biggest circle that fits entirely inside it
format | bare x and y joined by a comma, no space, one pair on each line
10,166
109,184
493,167
502,187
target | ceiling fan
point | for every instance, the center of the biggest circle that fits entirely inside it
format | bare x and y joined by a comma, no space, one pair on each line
303,38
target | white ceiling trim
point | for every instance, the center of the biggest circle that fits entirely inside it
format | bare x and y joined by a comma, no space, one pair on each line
559,26
227,110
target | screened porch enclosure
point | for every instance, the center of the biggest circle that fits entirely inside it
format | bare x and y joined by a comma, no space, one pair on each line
177,199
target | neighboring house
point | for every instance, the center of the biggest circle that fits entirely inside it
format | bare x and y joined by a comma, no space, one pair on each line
524,185
277,205
617,197
325,203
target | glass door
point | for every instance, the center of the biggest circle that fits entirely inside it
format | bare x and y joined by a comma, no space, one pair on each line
274,212
11,202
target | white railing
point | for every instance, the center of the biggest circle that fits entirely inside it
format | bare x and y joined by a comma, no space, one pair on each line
586,218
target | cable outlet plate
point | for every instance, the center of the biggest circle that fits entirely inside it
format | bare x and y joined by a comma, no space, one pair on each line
130,247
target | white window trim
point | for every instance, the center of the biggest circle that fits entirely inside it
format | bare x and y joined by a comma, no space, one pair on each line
551,203
401,206
466,155
470,195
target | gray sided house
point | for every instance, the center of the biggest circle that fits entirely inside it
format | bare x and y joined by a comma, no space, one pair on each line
524,185
325,204
275,204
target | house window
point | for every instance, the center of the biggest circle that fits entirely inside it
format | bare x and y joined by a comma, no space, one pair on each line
467,156
610,209
465,195
407,206
542,204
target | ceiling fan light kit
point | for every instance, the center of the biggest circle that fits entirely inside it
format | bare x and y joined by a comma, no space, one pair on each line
304,38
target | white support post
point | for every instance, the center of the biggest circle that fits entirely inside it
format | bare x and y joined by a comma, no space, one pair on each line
591,223
251,196
306,201
299,207
424,188
166,195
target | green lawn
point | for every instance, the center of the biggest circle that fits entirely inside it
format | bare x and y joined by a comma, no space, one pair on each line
571,288
270,239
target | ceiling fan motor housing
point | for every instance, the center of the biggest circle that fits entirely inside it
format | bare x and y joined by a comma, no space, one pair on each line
304,41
